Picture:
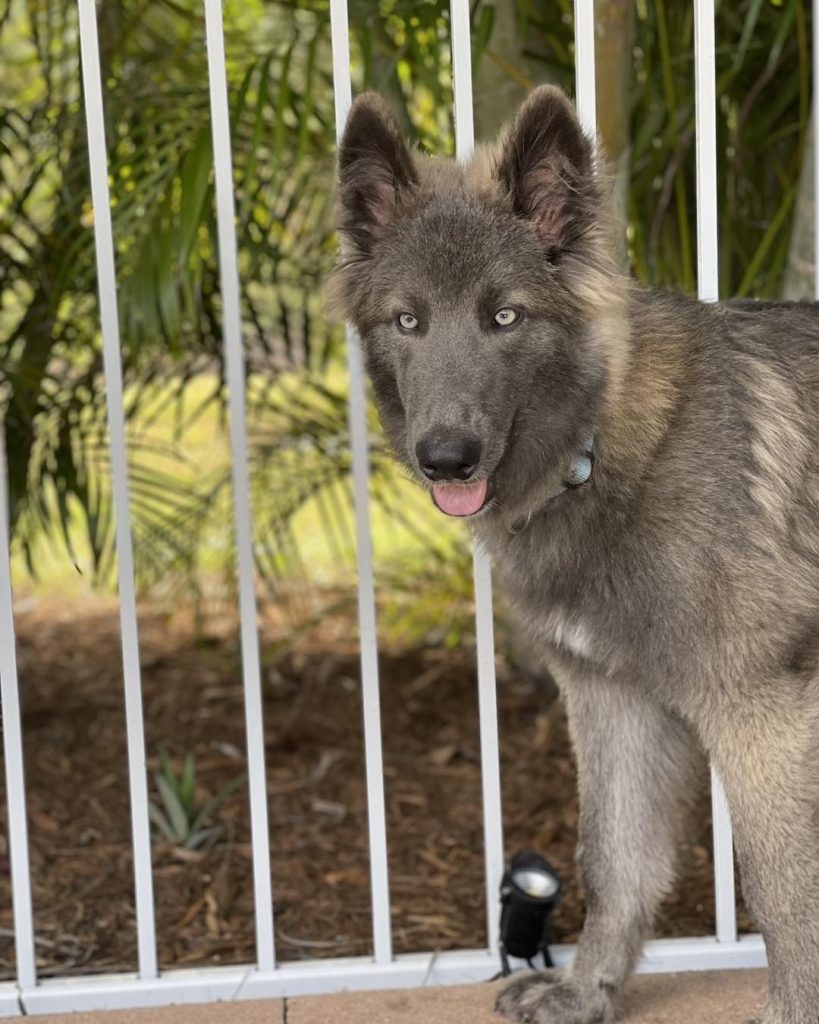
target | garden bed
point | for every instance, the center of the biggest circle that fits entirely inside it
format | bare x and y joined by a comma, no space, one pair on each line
71,683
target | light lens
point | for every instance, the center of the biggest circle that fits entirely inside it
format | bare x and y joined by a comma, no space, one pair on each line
534,883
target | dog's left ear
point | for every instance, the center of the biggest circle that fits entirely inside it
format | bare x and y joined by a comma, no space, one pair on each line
546,167
374,169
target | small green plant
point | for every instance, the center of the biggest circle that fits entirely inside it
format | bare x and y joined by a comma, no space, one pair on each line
178,818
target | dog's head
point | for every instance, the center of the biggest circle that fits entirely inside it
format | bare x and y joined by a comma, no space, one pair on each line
484,298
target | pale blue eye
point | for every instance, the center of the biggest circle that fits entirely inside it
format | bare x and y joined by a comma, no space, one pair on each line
506,316
407,321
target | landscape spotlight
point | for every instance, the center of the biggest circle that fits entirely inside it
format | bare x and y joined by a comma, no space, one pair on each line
530,890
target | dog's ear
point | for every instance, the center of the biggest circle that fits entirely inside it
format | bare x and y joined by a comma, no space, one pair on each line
374,167
545,165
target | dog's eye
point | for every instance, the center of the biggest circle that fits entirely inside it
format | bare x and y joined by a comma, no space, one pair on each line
407,322
506,317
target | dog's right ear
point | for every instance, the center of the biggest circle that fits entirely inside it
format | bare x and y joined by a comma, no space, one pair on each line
374,167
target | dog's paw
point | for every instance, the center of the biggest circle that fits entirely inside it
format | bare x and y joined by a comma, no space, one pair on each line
810,1015
553,997
799,1013
807,1013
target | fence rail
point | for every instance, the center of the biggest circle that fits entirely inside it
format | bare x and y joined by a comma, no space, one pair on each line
265,977
112,362
376,815
708,291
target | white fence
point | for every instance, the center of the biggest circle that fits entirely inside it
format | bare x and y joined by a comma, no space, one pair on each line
265,978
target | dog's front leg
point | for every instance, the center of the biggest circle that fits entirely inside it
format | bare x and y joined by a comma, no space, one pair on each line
637,767
766,748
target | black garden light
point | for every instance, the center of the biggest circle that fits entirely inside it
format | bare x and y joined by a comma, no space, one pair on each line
529,892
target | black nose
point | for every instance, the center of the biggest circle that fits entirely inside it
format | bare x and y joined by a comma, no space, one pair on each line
450,456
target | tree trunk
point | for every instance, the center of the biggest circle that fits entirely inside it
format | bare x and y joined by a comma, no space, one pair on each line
503,76
614,42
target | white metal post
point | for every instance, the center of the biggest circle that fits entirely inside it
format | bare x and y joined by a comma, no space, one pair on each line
484,623
462,79
706,131
725,896
368,638
584,67
107,285
235,367
708,290
13,750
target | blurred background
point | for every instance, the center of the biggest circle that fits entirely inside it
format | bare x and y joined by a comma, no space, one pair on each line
52,403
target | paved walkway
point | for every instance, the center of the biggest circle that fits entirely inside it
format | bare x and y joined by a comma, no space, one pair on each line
706,998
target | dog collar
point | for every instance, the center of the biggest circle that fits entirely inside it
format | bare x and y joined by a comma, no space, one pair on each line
580,472
581,468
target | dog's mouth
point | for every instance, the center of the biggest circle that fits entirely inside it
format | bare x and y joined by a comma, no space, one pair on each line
456,499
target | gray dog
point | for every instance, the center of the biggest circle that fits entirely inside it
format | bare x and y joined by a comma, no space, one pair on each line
644,471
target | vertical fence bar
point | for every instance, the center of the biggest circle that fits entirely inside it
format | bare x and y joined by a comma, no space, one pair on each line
235,368
490,747
484,623
706,124
584,66
376,815
13,751
815,60
708,290
462,79
723,863
107,284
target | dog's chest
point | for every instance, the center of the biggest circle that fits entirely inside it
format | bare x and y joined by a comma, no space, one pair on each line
556,618
563,604
566,631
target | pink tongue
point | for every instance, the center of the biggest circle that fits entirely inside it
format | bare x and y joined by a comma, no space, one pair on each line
459,499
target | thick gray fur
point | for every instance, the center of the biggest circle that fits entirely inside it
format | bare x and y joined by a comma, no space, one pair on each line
675,597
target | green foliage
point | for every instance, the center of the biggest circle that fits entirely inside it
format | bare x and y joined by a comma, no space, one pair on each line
160,163
763,65
282,117
177,817
444,616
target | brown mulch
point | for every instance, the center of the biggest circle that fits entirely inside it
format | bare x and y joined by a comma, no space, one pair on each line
71,684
